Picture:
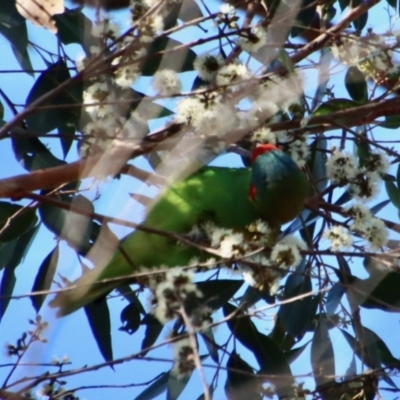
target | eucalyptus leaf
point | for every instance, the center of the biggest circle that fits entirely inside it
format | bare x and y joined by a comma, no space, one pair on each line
393,192
158,387
153,330
8,280
356,85
74,27
271,359
163,49
15,220
44,278
98,316
241,383
322,356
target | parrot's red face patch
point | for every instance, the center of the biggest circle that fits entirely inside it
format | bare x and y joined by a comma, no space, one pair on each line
262,148
252,192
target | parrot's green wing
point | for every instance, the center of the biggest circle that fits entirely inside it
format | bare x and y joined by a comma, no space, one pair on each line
219,195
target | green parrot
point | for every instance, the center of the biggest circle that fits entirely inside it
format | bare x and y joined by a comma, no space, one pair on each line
274,190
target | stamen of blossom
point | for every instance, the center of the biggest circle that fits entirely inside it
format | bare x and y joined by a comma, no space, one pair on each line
373,230
263,135
171,294
365,185
232,73
286,252
209,117
339,237
341,167
183,359
207,65
256,39
166,82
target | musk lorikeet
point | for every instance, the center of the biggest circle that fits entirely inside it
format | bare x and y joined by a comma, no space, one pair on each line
273,190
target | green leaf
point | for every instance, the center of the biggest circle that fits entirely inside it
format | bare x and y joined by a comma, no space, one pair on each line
46,120
391,122
216,293
241,383
318,161
13,28
211,390
333,106
20,247
296,316
31,153
67,135
344,4
177,383
9,14
361,21
72,227
199,83
152,110
130,318
286,61
74,27
161,49
153,330
367,352
385,354
392,3
304,18
334,297
398,175
378,207
209,340
186,11
356,85
292,354
190,11
280,337
332,321
379,291
98,316
363,147
322,357
271,359
352,370
15,220
156,388
44,278
393,193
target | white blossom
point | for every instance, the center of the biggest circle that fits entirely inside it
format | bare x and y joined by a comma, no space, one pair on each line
230,243
126,75
264,135
339,238
212,119
287,251
183,358
207,65
299,151
172,293
371,229
365,186
80,62
166,82
226,8
256,39
232,73
341,167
